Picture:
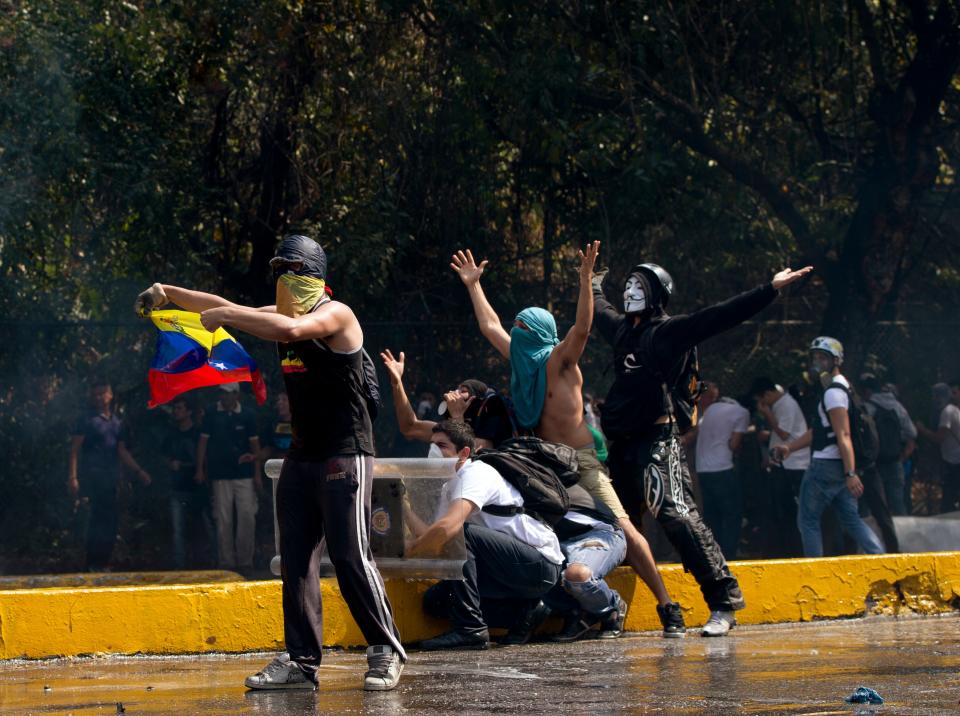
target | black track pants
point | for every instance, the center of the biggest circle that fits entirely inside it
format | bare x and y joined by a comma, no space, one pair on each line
650,473
330,499
502,578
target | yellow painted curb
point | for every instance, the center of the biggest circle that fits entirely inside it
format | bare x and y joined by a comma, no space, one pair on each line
247,616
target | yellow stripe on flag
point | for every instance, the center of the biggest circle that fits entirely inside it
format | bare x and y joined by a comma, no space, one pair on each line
189,325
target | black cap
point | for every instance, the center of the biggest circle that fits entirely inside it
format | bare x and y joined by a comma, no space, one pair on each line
476,388
297,247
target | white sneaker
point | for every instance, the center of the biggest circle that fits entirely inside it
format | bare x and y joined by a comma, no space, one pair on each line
718,624
385,669
281,673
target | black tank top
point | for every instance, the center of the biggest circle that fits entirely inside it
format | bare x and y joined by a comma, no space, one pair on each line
327,401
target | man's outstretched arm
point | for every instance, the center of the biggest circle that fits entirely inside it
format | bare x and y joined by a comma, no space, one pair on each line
325,321
160,294
682,333
490,325
571,347
442,531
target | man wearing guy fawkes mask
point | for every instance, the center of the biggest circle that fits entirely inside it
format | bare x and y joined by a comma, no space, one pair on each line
324,489
641,417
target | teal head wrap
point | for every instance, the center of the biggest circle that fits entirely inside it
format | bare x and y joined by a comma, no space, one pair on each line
529,351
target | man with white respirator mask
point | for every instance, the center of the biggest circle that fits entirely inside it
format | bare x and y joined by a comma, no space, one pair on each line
833,477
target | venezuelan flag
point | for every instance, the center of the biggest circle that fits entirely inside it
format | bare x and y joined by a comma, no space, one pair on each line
189,356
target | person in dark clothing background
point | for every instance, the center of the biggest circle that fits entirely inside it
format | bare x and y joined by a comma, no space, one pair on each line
647,460
98,445
324,491
189,499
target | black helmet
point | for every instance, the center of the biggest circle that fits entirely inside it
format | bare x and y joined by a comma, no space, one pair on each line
303,249
660,282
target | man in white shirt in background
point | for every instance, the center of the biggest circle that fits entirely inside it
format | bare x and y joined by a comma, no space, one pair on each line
511,561
832,479
785,420
719,437
947,436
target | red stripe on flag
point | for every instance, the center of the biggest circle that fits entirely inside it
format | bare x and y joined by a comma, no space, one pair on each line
164,387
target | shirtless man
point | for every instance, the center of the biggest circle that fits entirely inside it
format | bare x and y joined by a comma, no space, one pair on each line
547,389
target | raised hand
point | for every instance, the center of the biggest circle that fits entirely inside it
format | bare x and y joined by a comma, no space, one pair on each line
394,366
588,260
788,276
467,268
457,404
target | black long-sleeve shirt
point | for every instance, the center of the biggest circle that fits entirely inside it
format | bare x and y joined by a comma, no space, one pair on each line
636,400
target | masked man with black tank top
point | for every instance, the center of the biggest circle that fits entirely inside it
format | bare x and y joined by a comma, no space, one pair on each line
325,485
647,461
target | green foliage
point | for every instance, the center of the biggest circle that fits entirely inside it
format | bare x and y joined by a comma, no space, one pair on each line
176,141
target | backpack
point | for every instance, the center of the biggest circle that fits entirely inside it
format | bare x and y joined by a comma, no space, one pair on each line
863,429
371,385
544,496
681,391
888,434
560,459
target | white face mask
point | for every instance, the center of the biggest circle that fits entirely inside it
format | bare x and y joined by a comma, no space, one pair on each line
634,297
434,451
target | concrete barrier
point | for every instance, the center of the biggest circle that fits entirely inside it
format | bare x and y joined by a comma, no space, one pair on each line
116,579
247,616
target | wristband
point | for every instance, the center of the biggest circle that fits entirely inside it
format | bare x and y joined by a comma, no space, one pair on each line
851,473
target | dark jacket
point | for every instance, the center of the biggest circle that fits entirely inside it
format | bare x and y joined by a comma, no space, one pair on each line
635,400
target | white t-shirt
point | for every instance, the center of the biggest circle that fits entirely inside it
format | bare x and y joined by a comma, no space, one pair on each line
482,485
789,417
719,422
833,398
950,447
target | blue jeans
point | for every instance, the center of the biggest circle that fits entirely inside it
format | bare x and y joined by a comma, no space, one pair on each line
824,485
601,551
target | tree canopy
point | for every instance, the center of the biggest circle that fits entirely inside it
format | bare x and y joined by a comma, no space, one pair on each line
177,141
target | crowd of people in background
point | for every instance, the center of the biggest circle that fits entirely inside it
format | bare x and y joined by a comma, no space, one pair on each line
212,452
213,514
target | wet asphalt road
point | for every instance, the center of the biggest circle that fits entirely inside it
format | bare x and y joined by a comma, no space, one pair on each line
914,663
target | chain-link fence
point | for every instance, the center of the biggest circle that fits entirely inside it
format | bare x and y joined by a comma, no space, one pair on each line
45,370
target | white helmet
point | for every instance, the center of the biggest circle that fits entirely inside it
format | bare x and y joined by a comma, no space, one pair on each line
828,345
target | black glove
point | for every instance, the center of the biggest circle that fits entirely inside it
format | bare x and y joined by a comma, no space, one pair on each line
152,298
597,281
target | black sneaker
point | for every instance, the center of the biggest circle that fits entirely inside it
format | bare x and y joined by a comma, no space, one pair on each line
575,627
458,640
521,632
612,625
671,616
